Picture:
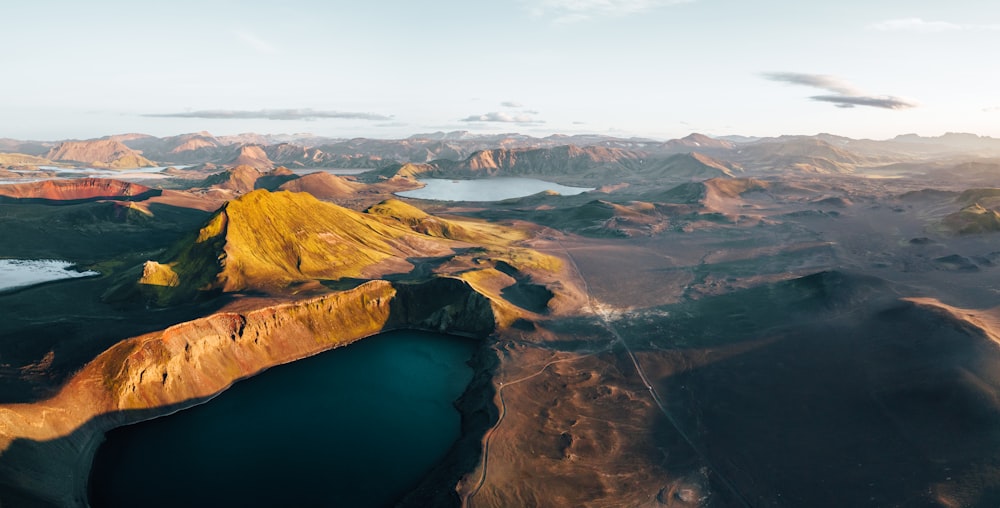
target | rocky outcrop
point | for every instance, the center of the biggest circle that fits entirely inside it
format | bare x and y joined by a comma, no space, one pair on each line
47,446
101,153
77,191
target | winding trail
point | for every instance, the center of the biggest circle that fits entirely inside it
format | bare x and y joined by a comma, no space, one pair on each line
467,501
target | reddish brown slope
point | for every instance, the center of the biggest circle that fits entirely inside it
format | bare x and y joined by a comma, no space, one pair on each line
324,186
78,189
105,153
251,155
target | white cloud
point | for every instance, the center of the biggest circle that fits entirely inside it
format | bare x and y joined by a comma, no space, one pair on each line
255,42
993,109
572,11
920,25
511,104
831,83
495,116
849,101
844,94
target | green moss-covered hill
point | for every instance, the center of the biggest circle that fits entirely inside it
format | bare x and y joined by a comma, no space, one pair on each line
973,219
267,241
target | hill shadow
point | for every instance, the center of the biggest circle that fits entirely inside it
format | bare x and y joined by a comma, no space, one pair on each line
885,405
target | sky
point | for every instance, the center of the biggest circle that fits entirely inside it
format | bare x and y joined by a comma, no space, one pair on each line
388,69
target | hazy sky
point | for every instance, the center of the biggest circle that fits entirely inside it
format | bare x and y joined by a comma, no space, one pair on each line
655,68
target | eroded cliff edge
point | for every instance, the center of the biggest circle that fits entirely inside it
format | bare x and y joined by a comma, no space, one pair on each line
48,446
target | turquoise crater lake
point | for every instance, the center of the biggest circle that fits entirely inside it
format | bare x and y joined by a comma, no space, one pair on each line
486,189
357,426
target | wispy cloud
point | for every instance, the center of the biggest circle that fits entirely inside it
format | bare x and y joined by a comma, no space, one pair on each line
844,94
258,44
271,114
831,83
511,104
993,109
920,25
846,101
502,118
571,11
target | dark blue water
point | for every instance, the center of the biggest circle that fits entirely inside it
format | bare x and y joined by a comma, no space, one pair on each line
357,426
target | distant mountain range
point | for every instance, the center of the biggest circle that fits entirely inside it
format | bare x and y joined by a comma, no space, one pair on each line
463,154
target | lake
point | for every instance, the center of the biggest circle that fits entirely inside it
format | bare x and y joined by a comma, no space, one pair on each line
357,426
16,273
332,171
487,189
59,172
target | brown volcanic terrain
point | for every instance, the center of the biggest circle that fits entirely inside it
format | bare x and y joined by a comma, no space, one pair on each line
20,159
250,155
781,323
559,161
808,155
693,166
102,153
325,186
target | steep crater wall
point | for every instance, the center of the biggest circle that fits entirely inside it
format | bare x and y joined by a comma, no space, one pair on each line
48,446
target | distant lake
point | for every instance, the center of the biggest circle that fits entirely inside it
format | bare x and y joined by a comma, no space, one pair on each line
117,174
357,426
332,171
57,172
15,273
487,189
91,172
